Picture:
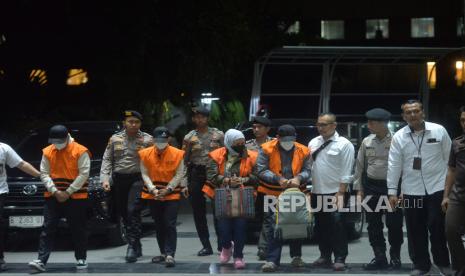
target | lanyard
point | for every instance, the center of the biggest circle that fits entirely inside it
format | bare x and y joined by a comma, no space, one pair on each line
421,142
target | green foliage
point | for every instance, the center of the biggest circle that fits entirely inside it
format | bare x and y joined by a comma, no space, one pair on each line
226,115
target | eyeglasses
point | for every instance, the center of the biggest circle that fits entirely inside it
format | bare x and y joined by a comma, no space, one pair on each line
323,124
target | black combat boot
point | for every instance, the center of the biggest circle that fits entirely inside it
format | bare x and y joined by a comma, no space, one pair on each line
138,249
395,262
131,254
379,262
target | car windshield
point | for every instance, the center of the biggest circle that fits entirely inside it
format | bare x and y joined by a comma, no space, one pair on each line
96,141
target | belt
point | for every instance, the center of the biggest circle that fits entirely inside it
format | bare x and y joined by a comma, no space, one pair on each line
380,182
127,175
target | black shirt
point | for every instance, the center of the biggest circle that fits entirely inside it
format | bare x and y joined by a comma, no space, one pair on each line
457,161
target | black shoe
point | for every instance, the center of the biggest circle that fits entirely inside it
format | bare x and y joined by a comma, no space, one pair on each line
395,263
205,252
376,264
131,255
261,254
158,259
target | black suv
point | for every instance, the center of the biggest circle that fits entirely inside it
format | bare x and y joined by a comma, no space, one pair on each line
24,204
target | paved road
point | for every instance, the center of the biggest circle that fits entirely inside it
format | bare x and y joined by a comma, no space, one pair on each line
105,260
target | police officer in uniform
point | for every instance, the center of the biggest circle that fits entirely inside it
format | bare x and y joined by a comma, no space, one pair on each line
261,127
370,179
121,163
197,144
64,170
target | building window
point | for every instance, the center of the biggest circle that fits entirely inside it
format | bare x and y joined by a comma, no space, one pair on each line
460,26
332,29
422,27
77,77
38,76
377,28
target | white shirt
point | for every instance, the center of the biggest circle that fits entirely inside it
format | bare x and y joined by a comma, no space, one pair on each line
333,165
434,154
7,157
84,169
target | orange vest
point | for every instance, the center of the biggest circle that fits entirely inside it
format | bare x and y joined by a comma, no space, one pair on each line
161,169
219,156
271,149
64,167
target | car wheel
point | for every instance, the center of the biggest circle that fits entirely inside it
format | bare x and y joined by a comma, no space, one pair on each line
117,235
355,229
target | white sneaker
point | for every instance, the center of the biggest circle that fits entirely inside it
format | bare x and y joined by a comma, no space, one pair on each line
81,264
37,265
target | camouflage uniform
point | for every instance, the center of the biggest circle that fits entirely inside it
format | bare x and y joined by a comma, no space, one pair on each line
197,146
121,163
252,144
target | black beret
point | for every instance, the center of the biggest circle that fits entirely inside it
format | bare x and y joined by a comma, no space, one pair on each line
261,120
286,130
378,114
132,113
57,133
201,110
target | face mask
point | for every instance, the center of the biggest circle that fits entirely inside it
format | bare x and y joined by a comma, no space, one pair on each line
161,145
60,146
287,146
239,149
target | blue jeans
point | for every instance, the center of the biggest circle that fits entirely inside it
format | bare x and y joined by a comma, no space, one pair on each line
233,229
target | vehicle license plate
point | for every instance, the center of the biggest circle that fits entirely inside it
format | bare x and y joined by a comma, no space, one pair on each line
26,221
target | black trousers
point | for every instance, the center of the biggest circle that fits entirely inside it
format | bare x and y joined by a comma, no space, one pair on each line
424,217
266,226
394,222
331,232
196,178
165,214
455,228
275,246
3,226
126,192
75,212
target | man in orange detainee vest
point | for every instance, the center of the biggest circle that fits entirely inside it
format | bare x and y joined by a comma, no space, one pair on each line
64,170
162,168
282,164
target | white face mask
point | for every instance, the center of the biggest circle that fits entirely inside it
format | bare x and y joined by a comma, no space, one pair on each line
287,146
60,146
161,146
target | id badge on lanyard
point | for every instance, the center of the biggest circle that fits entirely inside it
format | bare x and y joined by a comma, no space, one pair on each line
417,158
